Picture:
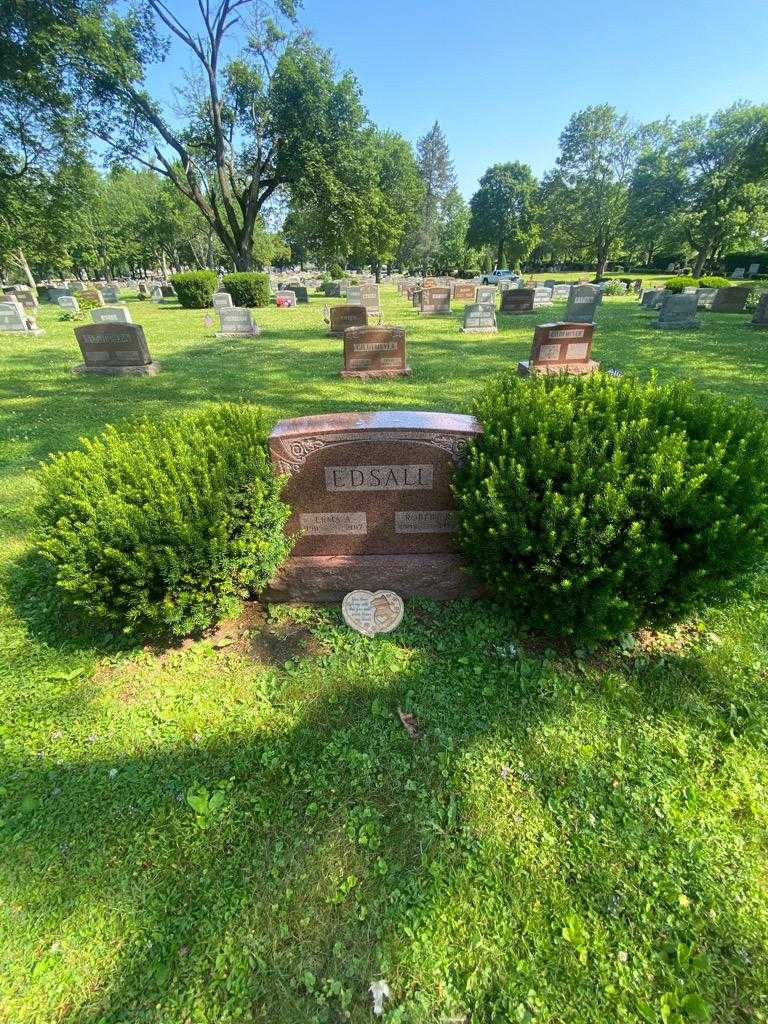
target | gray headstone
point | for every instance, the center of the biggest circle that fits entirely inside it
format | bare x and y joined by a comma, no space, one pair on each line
705,297
738,273
678,313
110,293
237,322
583,302
299,290
542,297
480,318
111,315
754,270
14,318
222,300
760,319
69,302
287,295
560,292
485,294
114,350
652,298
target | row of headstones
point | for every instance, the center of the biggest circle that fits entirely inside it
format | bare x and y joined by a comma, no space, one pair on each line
741,272
679,310
583,300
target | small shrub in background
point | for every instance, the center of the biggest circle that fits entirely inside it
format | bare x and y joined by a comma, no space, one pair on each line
594,505
195,288
677,284
336,272
163,527
248,289
713,282
614,288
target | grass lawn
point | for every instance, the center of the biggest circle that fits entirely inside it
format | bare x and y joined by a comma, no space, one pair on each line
240,829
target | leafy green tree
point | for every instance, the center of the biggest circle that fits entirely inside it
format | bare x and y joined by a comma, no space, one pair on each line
453,254
504,212
655,195
591,181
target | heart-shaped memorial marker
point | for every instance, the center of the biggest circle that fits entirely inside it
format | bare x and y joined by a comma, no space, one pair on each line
371,613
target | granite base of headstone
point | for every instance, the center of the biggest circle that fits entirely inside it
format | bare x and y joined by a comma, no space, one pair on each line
372,353
560,348
114,350
480,318
372,506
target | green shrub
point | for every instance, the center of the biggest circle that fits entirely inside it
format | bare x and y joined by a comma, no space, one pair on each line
248,289
164,526
614,288
195,288
677,284
593,505
713,282
336,272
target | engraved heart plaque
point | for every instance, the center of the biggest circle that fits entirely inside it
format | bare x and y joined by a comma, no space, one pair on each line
369,614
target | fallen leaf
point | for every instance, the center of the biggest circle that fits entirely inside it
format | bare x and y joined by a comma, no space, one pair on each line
380,989
410,724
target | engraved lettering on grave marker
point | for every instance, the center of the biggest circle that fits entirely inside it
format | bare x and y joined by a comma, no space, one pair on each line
379,478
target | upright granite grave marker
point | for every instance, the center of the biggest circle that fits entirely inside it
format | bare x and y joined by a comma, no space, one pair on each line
730,300
301,293
111,315
24,296
342,317
237,322
222,300
435,301
754,270
92,295
738,273
515,301
583,302
372,503
370,298
560,292
542,297
168,291
678,313
652,298
286,298
705,297
480,318
374,352
114,350
110,293
760,319
464,290
69,302
560,348
14,318
485,294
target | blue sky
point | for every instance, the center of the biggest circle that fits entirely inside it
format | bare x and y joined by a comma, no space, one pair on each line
503,77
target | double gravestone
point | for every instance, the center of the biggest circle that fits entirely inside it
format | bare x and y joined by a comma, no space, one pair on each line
236,322
678,313
480,318
371,501
374,352
515,301
114,350
560,348
464,290
730,300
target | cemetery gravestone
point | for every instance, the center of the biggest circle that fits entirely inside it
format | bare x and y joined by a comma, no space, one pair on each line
464,290
69,302
346,316
435,301
168,291
156,293
332,289
110,293
705,297
678,313
24,296
236,322
92,295
374,352
754,270
485,295
738,273
583,301
354,295
111,315
287,298
114,350
143,289
14,318
560,292
560,348
542,297
517,300
480,318
730,300
301,293
76,286
222,300
370,298
760,319
371,503
652,298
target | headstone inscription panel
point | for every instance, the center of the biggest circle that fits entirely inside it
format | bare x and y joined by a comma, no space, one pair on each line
372,503
435,301
114,350
374,352
346,316
480,318
730,300
517,300
111,315
560,348
760,319
237,322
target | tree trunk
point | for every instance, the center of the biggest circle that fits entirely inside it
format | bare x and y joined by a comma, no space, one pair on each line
164,264
701,257
500,254
22,259
602,263
377,272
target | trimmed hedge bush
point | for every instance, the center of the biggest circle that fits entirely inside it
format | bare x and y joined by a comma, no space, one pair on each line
195,288
248,289
164,526
594,505
677,284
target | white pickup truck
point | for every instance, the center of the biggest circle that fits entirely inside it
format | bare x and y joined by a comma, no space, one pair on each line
500,275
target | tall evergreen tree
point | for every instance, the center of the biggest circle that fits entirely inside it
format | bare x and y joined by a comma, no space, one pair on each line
439,177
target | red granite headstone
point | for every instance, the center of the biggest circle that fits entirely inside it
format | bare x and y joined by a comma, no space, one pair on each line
374,352
435,300
372,504
560,348
464,290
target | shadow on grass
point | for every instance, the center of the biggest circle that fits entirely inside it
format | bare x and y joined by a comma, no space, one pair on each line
342,841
